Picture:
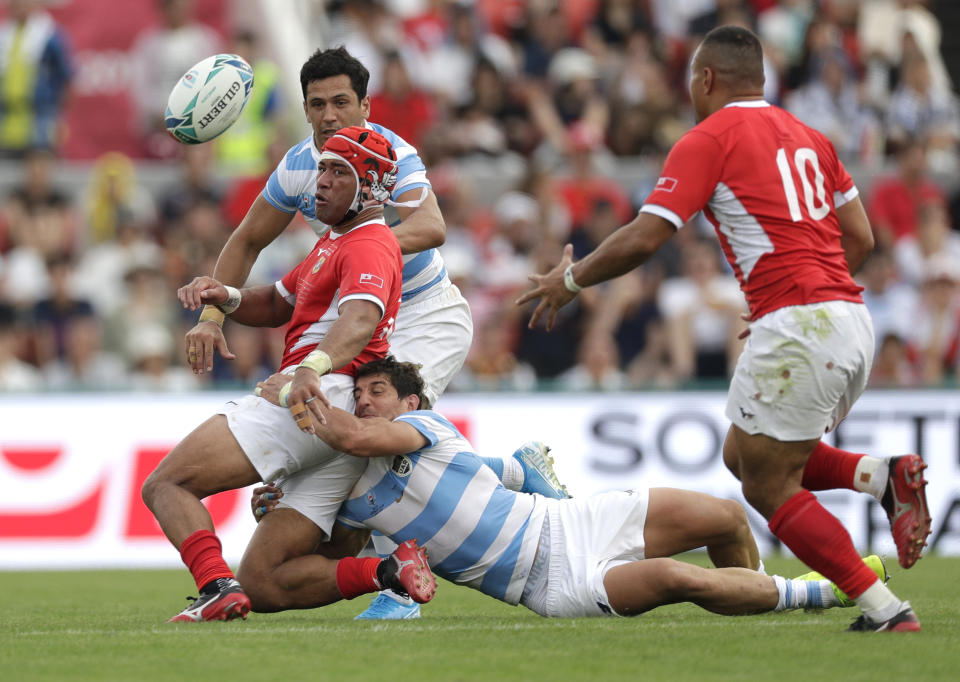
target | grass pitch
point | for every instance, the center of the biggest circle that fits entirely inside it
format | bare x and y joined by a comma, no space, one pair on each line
110,625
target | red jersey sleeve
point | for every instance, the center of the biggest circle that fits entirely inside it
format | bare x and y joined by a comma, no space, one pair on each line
287,285
690,175
369,273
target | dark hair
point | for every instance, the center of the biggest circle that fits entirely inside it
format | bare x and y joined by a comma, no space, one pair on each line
335,62
404,376
735,54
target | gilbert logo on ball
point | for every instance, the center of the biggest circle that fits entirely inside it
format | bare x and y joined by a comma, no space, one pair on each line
208,98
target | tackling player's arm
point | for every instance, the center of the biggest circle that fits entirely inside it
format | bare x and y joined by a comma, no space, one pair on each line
421,227
370,436
855,233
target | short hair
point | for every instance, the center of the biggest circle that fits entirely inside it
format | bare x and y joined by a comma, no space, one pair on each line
404,376
735,55
333,62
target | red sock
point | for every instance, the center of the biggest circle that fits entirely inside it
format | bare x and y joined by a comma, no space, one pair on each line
821,542
829,468
357,576
201,552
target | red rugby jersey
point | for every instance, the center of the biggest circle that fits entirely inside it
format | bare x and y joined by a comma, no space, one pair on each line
770,186
364,263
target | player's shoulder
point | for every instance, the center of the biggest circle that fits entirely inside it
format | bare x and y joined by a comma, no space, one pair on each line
430,417
401,147
300,156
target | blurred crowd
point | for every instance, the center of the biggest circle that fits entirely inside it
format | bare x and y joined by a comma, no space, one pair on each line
558,96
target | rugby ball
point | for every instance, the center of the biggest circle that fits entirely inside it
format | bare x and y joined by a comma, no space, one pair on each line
208,98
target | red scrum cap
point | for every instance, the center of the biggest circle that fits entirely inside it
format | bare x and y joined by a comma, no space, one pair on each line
370,156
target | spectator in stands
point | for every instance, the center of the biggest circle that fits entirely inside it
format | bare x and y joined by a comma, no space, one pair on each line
38,233
113,197
890,301
644,110
198,183
446,68
934,238
85,365
933,334
51,316
918,110
150,352
894,202
35,72
401,106
252,363
702,310
831,103
890,31
584,186
15,374
147,300
570,100
161,55
38,186
598,366
892,367
243,149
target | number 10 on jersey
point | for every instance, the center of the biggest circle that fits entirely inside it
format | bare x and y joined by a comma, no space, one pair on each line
814,196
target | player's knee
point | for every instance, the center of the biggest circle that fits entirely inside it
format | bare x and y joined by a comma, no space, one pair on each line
735,518
679,580
148,491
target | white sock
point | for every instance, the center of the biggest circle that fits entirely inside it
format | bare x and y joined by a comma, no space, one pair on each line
512,474
804,594
878,603
871,476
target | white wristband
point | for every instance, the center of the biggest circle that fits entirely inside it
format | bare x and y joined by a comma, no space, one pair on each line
568,280
232,302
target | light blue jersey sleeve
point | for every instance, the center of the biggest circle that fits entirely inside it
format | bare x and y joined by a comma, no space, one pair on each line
292,184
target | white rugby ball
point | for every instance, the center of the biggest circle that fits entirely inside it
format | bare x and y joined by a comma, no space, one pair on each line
208,98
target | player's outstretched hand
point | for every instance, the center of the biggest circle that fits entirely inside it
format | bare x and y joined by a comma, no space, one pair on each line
200,343
264,499
306,400
551,291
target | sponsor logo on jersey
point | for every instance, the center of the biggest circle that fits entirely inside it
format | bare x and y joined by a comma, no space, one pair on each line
666,184
319,263
402,466
367,278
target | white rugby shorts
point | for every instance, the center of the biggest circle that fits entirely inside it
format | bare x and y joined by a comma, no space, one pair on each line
314,477
435,333
801,370
585,538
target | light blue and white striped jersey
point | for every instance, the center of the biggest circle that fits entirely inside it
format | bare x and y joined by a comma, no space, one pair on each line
476,532
293,184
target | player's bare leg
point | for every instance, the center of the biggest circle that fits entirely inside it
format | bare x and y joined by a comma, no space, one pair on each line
643,585
207,461
287,564
771,474
681,520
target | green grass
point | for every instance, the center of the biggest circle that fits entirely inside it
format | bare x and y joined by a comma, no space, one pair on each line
110,625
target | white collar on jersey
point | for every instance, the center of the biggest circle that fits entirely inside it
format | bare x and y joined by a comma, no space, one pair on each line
748,104
337,235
